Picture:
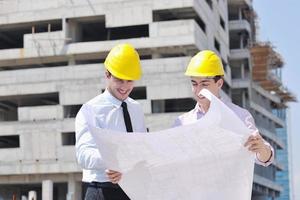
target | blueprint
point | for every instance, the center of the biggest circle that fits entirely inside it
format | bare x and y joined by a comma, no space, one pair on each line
203,160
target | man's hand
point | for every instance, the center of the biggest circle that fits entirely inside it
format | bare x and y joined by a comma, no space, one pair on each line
256,144
113,176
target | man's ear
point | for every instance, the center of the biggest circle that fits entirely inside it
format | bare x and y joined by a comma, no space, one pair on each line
107,74
220,83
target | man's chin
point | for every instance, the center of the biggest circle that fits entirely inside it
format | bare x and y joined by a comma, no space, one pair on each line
123,96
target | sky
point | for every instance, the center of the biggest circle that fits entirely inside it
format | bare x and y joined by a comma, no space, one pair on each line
279,23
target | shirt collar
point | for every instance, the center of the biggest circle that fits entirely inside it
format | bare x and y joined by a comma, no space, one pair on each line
116,102
197,109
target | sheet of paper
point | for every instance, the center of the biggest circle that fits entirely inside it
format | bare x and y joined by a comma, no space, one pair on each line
203,160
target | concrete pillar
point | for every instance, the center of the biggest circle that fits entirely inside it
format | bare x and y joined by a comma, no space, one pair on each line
240,13
32,195
74,188
24,197
47,190
241,40
71,60
73,30
159,107
65,27
242,71
156,55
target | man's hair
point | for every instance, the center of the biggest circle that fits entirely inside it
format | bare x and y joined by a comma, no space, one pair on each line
216,78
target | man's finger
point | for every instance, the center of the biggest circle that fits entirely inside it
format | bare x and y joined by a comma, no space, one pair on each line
254,149
113,173
115,180
254,137
252,142
115,176
109,171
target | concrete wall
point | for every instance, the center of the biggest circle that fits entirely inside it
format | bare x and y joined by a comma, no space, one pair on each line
40,113
41,149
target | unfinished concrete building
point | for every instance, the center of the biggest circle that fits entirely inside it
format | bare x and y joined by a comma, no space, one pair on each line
51,62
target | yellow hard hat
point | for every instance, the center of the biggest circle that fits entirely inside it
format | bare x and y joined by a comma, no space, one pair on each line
123,62
205,64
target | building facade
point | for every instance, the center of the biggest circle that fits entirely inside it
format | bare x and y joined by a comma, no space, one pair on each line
283,156
51,62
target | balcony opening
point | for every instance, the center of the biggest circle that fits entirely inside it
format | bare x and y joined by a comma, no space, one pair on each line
9,104
86,29
68,138
240,69
8,111
36,99
240,97
177,14
9,141
217,45
238,39
236,72
233,12
8,190
210,3
266,172
70,111
137,31
32,66
89,61
172,55
172,105
139,93
239,12
222,23
11,37
146,57
93,31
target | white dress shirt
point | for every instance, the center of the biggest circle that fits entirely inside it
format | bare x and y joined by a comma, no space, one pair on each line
108,114
243,114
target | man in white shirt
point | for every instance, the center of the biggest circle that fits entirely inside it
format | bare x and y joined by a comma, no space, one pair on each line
114,110
206,71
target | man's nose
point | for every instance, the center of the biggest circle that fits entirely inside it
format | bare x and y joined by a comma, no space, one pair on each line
198,88
125,84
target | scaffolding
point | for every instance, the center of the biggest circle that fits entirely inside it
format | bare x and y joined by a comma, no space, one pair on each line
266,70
